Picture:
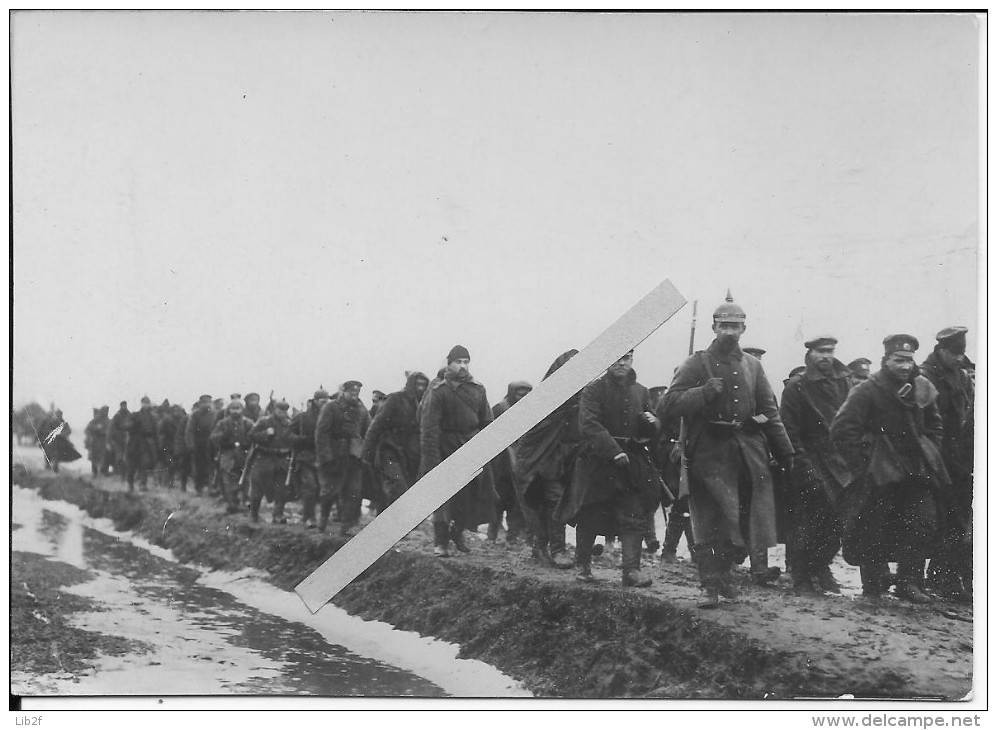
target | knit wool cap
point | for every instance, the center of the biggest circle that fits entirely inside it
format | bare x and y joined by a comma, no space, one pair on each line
458,352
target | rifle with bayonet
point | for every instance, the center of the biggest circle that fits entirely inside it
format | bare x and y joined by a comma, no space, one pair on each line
683,457
246,464
287,480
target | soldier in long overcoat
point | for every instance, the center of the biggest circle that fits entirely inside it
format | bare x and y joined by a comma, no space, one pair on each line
808,406
117,436
230,437
502,466
339,433
615,487
455,409
950,572
732,424
391,445
181,452
305,471
890,431
141,446
275,441
542,471
197,436
166,433
95,441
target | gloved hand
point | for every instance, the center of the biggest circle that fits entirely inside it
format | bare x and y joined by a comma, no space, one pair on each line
713,388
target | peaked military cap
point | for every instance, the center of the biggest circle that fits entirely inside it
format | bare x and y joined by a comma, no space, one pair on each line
822,341
756,351
953,339
907,344
235,403
352,385
859,362
950,332
798,370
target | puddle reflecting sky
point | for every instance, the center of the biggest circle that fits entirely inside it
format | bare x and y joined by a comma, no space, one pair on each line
201,640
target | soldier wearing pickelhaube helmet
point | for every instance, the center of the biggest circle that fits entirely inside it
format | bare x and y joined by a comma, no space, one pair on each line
890,431
732,422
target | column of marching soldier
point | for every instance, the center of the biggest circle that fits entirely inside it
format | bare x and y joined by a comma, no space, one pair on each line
875,465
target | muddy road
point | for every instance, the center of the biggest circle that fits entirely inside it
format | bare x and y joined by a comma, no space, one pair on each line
543,632
103,614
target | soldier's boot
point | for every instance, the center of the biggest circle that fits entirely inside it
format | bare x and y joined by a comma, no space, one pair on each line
632,576
541,540
873,585
457,536
709,578
826,581
308,511
278,517
441,538
493,530
584,541
254,508
673,533
558,546
910,581
324,510
650,539
761,573
804,582
725,581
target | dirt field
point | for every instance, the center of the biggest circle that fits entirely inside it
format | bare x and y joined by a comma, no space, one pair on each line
559,637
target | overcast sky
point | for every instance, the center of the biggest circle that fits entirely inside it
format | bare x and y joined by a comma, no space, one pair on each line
218,202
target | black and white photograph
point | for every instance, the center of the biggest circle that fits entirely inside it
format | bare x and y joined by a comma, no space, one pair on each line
491,357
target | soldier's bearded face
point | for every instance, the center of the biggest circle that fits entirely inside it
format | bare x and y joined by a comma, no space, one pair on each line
351,395
823,358
622,367
282,415
900,365
459,366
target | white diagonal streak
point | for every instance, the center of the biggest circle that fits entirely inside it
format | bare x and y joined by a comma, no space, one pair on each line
458,469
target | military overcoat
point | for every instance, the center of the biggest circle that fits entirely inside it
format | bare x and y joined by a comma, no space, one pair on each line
715,454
